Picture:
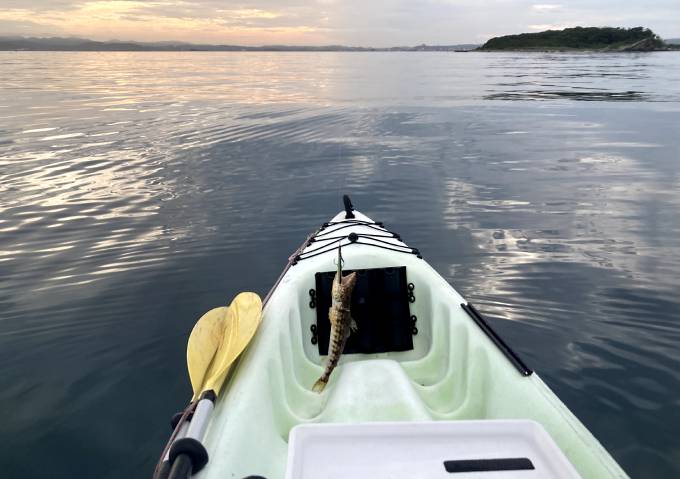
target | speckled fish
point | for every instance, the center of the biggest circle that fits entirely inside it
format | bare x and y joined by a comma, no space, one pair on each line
341,320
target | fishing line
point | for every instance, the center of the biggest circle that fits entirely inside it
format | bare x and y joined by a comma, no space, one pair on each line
342,260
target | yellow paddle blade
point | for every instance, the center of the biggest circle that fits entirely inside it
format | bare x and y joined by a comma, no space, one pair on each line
217,339
242,320
204,342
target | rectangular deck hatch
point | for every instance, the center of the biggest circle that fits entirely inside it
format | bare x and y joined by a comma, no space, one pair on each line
380,306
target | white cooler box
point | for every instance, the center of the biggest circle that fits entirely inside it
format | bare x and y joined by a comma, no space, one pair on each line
487,449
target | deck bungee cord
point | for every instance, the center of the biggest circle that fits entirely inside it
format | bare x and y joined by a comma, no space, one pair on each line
369,239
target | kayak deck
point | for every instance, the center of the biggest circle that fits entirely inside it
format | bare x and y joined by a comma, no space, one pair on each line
455,371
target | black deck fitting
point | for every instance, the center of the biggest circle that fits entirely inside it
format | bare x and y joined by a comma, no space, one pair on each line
348,207
523,369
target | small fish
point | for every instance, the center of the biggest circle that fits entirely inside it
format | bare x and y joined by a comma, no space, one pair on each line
341,320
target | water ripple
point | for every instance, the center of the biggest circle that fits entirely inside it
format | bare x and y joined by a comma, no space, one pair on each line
138,191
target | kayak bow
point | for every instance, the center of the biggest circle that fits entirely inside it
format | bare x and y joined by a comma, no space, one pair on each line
423,364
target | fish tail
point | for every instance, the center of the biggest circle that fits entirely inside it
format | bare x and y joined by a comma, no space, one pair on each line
319,385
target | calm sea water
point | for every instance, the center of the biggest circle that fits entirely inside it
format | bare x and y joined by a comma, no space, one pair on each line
139,190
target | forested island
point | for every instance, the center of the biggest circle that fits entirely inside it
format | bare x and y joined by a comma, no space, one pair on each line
582,38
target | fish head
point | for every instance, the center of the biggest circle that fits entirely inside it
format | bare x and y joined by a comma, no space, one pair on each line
342,288
348,283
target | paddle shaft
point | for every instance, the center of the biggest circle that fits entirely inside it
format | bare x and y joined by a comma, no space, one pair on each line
164,469
182,467
216,340
199,422
187,454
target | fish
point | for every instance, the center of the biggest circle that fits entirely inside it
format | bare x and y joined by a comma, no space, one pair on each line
342,323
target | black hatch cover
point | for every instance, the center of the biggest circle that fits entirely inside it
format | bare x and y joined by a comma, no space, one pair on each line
380,307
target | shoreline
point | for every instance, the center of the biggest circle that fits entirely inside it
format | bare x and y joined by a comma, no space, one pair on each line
479,50
573,50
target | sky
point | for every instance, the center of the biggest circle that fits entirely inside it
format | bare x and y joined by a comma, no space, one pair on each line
376,23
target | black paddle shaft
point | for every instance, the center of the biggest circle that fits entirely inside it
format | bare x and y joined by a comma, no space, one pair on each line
187,456
182,467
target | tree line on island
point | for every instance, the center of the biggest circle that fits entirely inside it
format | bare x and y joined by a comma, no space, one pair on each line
581,38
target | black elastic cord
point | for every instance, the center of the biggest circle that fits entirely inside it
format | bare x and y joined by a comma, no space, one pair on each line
347,224
365,235
323,249
331,246
334,242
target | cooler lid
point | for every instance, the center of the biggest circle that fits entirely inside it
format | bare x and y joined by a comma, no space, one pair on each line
484,449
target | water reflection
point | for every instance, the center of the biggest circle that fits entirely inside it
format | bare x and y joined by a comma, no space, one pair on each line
137,191
580,77
570,95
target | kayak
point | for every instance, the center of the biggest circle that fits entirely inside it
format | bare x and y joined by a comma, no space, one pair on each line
423,376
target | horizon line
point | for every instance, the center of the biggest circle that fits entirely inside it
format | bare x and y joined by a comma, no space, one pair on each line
194,44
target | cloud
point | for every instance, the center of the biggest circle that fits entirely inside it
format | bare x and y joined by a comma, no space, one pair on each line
197,21
350,22
546,7
552,26
10,27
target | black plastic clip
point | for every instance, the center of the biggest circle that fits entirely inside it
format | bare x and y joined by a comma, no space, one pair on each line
411,296
312,296
315,338
414,330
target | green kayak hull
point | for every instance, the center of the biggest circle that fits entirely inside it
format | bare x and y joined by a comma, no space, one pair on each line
458,368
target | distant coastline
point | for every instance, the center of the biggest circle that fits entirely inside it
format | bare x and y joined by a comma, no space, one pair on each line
85,45
568,40
600,39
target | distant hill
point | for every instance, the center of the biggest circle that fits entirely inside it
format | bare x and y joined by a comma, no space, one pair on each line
81,44
672,41
580,38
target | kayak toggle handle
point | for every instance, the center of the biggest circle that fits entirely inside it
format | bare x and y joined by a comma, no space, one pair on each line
348,207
